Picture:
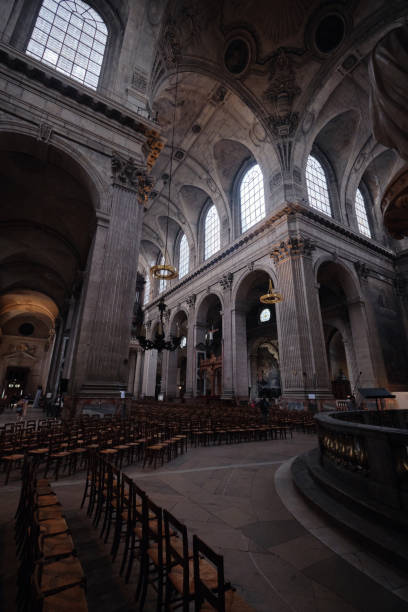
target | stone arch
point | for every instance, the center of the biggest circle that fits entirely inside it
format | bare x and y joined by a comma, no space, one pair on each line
348,277
238,280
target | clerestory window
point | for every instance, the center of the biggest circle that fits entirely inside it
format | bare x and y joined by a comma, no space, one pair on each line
252,198
317,189
184,257
361,214
71,37
211,232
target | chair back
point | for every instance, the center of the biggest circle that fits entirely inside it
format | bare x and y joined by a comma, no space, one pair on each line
203,592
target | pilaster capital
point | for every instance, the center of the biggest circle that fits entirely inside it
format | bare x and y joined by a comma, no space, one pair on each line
292,247
191,300
362,270
226,280
126,174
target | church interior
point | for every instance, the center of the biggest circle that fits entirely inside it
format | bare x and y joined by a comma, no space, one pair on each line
204,306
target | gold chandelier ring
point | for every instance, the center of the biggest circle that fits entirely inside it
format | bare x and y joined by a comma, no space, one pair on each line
163,272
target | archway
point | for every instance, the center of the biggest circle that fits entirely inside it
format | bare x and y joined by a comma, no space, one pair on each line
176,361
257,369
47,223
208,344
343,314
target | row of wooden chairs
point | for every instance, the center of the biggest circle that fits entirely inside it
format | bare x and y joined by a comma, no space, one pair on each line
142,531
50,576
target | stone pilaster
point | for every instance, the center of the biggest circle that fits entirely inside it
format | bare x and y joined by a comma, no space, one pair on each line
113,297
191,351
240,354
303,358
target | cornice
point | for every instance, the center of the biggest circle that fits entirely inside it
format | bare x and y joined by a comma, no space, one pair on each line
23,64
287,210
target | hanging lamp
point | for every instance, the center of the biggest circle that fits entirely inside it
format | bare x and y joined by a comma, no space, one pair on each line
272,297
165,271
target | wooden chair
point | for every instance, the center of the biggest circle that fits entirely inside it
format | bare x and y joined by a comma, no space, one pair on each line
208,597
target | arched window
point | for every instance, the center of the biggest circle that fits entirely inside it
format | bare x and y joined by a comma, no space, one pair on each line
317,186
184,257
211,232
71,37
361,214
146,296
252,198
162,281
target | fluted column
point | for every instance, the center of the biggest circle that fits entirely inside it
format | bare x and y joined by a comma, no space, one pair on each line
113,297
240,354
191,351
302,347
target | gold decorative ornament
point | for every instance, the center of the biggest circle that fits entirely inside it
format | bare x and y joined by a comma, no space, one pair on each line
163,272
272,297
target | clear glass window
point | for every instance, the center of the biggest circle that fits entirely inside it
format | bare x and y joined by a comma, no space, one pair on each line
184,257
361,214
146,297
265,315
71,37
162,281
211,233
252,198
317,186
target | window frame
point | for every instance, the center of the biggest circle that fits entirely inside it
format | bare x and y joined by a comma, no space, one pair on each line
25,25
207,207
370,235
244,170
316,156
179,239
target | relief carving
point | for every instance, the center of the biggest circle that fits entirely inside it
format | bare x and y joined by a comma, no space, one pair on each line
292,247
281,93
226,281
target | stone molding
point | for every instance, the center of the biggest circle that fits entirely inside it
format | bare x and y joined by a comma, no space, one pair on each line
226,281
191,300
285,211
292,247
127,174
362,270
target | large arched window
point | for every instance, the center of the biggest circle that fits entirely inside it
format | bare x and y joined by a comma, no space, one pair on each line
317,190
252,198
146,296
361,214
211,232
71,37
184,256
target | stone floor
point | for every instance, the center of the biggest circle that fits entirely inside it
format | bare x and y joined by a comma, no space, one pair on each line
281,555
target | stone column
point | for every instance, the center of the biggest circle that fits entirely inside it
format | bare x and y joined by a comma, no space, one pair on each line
199,330
191,352
132,370
137,382
240,354
113,296
149,373
302,349
227,339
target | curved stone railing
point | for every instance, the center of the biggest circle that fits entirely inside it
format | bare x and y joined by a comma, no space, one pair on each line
367,450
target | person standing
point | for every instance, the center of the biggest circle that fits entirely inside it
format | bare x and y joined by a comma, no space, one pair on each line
20,409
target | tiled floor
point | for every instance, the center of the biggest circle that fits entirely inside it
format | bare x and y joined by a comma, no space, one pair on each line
240,500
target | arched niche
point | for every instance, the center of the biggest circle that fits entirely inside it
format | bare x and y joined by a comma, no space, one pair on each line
258,368
208,346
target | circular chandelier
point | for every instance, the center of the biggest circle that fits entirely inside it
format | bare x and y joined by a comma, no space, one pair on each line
163,272
159,343
272,297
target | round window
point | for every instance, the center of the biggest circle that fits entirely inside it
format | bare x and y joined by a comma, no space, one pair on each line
265,315
237,56
183,342
26,329
329,33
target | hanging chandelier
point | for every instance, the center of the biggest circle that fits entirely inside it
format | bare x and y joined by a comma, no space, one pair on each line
165,271
272,297
159,343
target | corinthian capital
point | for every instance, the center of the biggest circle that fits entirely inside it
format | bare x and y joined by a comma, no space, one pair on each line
127,174
292,247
